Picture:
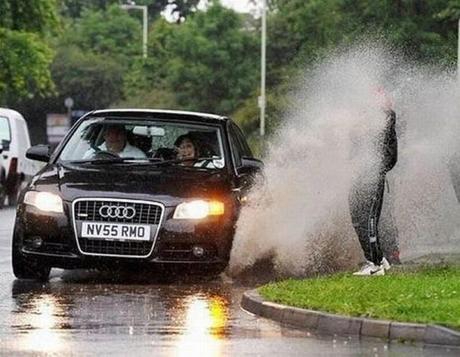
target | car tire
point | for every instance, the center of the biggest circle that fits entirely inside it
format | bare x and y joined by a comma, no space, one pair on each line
12,199
27,269
2,189
2,197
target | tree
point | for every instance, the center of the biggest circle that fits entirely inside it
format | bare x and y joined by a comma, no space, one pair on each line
24,66
210,62
25,56
111,32
300,32
301,29
39,16
75,8
93,55
179,9
92,80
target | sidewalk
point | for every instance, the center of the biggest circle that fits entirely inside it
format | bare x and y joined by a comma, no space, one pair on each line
343,325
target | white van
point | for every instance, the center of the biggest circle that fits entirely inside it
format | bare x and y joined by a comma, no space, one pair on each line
15,169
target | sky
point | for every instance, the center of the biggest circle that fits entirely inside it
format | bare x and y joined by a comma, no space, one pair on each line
238,5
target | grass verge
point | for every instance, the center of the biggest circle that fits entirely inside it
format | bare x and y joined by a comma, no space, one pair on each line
427,295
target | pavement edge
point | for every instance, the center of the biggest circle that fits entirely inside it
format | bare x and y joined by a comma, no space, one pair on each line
343,325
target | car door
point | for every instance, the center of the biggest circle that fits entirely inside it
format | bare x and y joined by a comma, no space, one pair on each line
241,153
5,140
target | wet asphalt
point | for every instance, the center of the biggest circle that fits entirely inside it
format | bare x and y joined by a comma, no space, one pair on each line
86,313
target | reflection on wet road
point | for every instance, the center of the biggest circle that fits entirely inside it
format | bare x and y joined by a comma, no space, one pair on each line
51,317
89,313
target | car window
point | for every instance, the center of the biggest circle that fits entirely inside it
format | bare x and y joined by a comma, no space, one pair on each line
144,139
236,153
240,147
5,133
242,143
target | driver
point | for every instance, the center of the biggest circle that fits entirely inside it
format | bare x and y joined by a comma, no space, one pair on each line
115,142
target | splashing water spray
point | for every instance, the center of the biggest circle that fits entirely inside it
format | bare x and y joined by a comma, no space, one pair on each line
299,216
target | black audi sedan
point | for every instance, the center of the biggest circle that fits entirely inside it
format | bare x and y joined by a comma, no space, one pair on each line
135,188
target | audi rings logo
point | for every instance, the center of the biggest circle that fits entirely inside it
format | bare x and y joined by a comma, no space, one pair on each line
117,212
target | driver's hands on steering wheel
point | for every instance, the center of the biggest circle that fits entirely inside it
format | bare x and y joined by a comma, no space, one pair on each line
104,154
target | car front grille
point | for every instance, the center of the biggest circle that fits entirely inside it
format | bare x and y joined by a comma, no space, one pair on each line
88,210
101,246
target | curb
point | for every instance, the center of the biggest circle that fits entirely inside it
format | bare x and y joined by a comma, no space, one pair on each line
346,326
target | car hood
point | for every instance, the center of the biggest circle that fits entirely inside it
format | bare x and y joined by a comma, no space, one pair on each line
169,185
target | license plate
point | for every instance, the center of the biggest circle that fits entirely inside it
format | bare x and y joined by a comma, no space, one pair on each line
115,231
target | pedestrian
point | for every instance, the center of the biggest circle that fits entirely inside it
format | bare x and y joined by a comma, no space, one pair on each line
366,197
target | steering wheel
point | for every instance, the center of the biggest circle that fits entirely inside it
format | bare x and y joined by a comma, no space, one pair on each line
104,154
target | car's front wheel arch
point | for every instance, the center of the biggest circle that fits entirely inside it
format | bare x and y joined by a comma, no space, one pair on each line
25,267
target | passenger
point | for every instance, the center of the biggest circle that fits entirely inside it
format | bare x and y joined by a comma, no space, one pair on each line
115,142
187,148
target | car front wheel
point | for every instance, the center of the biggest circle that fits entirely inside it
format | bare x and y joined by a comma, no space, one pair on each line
24,268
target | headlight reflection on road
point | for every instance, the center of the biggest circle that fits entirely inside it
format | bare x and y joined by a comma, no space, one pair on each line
205,323
43,334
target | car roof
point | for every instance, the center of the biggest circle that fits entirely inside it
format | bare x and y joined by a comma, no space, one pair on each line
11,114
160,114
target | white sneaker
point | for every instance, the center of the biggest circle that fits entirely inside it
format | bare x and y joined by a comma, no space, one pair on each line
385,264
370,269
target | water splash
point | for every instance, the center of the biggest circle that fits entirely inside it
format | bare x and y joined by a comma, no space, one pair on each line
299,217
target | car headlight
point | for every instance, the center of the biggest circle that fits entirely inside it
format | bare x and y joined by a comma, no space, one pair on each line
198,209
44,201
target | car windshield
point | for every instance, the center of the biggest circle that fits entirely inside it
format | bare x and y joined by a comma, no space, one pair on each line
118,140
4,130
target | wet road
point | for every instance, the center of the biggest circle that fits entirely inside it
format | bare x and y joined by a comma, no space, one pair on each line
87,313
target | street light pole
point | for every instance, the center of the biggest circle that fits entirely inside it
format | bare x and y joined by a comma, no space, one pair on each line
262,100
144,9
458,52
145,29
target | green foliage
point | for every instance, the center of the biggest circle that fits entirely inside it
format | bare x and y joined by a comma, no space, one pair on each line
24,62
39,16
75,8
300,32
113,32
155,98
179,9
209,62
93,55
431,295
92,80
248,114
25,55
419,27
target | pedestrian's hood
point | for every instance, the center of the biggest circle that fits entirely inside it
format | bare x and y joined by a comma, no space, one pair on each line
169,185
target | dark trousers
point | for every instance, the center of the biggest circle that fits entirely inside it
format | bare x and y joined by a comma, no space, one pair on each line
365,202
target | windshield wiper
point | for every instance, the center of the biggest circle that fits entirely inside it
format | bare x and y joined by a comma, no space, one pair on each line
112,160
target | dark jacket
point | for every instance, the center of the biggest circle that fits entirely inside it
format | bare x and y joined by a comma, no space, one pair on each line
389,143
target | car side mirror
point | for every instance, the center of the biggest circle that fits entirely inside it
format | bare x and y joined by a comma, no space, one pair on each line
250,166
5,145
1,148
39,153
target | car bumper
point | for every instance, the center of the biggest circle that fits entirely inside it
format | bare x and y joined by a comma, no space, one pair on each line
174,244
